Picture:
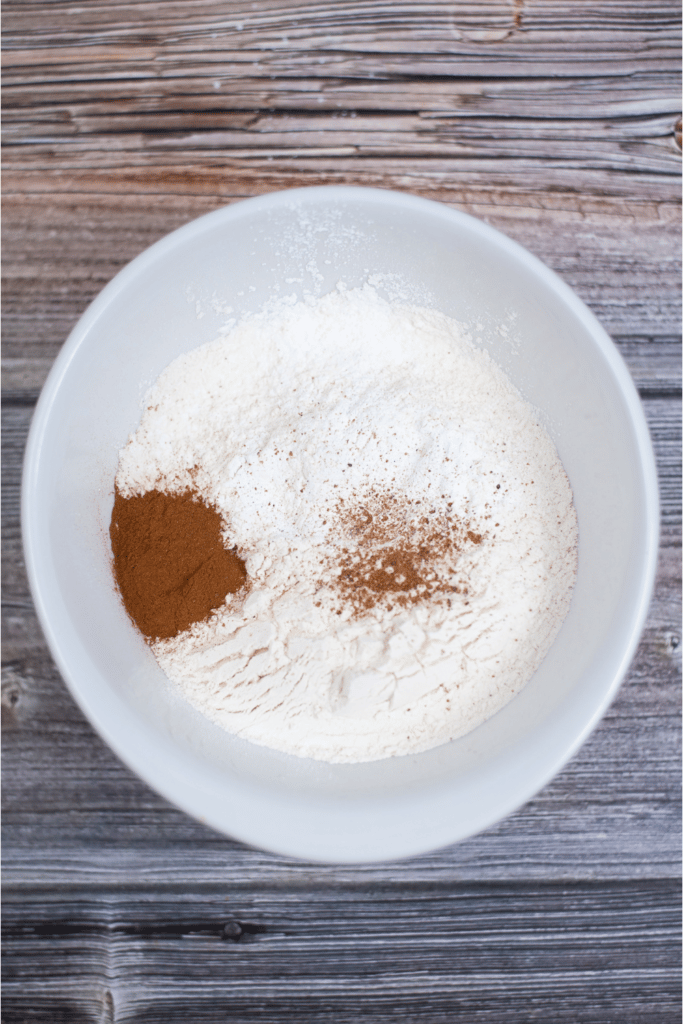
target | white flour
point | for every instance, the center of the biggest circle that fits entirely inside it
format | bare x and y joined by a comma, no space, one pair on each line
298,422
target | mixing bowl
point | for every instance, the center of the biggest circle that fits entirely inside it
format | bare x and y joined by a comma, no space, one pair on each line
179,294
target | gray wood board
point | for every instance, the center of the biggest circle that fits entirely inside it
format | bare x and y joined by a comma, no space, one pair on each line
378,952
558,124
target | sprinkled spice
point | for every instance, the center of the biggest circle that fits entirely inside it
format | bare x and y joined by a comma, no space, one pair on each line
399,553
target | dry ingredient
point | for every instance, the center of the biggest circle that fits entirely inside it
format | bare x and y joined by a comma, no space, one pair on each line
399,550
405,524
171,563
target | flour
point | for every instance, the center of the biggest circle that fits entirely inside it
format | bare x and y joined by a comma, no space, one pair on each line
304,425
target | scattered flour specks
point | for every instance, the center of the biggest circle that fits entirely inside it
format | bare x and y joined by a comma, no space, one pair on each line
297,424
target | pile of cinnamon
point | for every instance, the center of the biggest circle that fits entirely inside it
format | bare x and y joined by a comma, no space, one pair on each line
171,564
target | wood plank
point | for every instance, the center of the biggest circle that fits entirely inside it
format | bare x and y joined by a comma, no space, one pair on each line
355,38
234,89
495,954
660,155
371,132
204,177
297,141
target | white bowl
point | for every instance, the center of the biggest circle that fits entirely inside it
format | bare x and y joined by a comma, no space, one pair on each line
172,298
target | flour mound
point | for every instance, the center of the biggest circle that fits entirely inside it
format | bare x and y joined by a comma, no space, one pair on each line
407,526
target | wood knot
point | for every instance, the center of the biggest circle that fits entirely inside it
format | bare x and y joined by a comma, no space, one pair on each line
671,643
107,1008
518,6
13,695
236,930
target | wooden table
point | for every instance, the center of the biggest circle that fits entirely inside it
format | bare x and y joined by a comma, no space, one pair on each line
556,122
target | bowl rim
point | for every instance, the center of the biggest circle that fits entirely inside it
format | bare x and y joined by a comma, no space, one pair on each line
193,796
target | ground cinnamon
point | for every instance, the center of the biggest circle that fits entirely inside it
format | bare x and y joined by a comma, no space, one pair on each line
170,561
400,552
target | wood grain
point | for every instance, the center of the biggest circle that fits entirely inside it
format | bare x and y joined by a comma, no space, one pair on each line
378,954
558,124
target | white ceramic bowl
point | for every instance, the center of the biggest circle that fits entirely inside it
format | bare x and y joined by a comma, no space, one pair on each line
173,298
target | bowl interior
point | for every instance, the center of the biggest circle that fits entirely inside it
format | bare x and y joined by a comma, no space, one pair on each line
180,294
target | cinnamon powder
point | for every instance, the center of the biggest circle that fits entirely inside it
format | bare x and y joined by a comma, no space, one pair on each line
170,561
400,552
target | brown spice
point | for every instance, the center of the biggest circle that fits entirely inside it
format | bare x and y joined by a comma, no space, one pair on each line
170,561
399,552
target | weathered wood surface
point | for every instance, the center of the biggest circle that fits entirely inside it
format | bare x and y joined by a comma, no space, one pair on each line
558,124
354,953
